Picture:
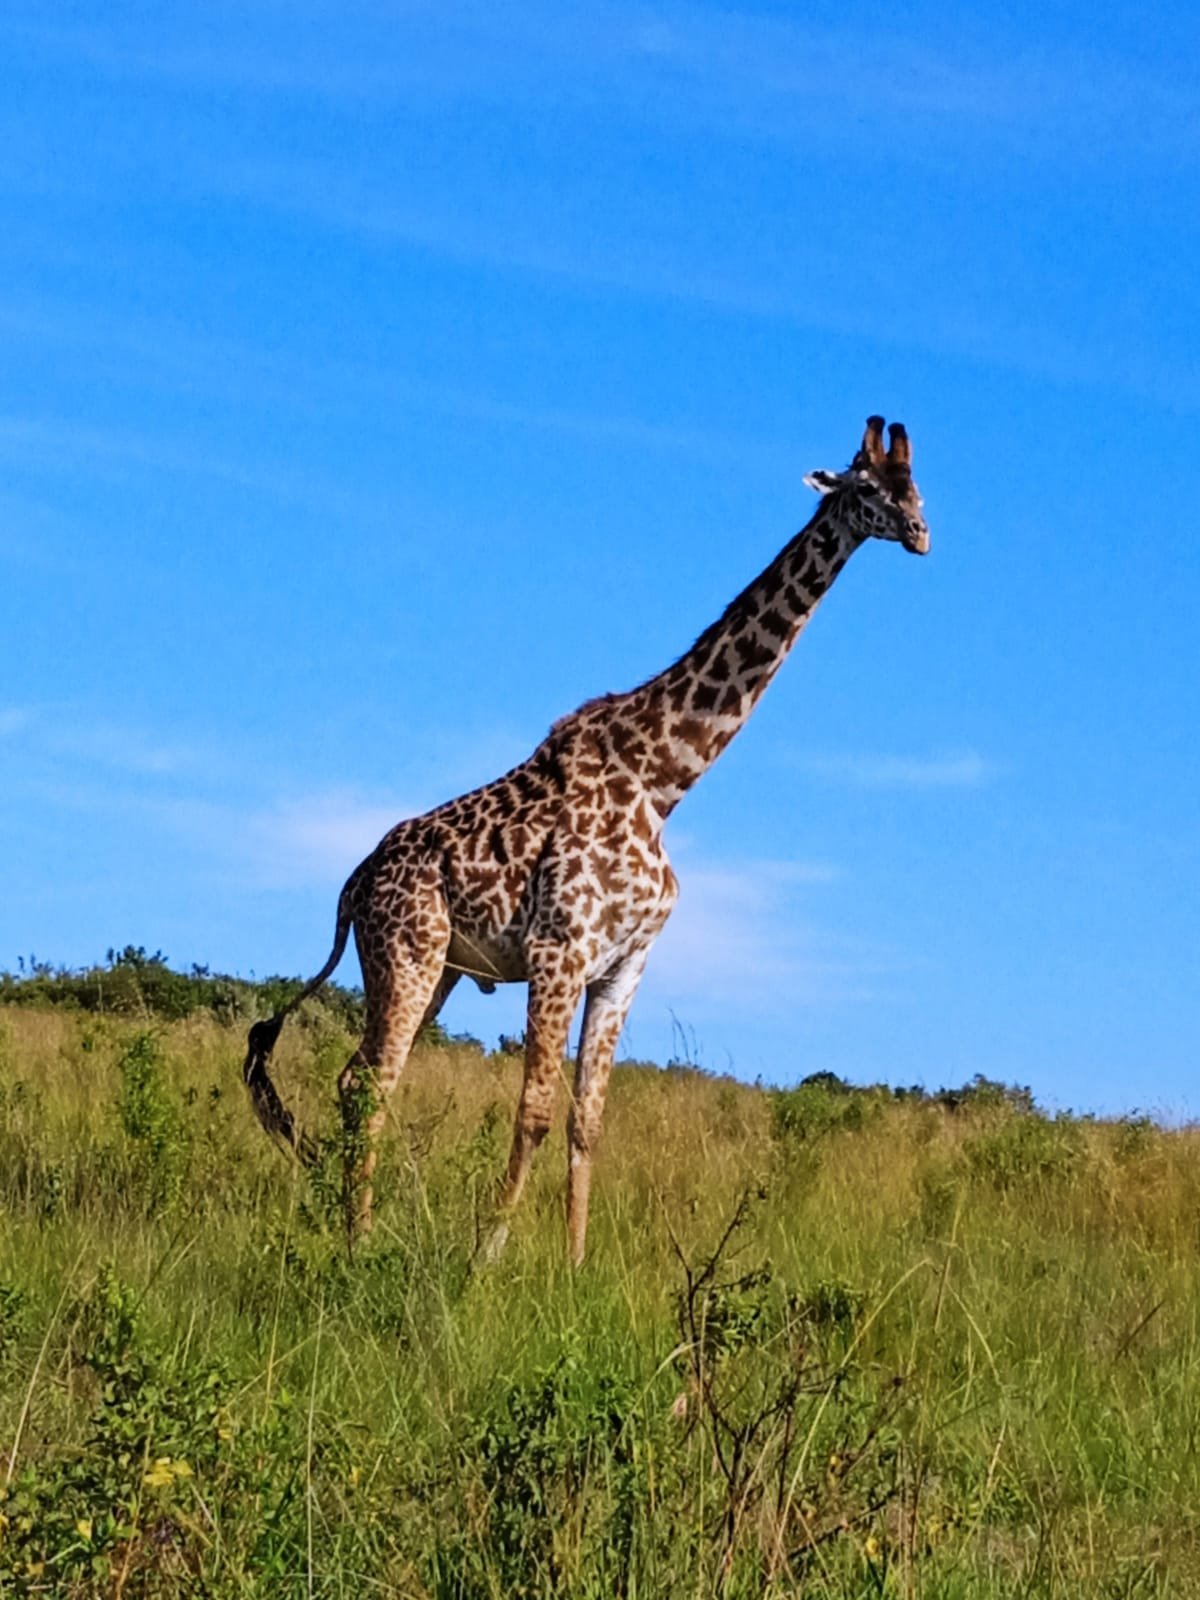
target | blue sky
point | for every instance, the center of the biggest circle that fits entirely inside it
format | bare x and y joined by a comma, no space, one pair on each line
382,380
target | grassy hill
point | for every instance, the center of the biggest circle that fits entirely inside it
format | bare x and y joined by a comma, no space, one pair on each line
827,1343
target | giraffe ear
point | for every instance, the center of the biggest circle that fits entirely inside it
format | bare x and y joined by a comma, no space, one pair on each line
823,481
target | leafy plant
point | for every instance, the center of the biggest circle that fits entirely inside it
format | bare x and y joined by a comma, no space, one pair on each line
770,1412
151,1119
1025,1148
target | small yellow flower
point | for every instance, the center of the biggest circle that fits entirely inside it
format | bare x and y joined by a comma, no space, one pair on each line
872,1547
181,1469
353,1476
160,1474
84,1529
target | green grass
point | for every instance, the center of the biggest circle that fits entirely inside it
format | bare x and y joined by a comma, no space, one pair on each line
825,1345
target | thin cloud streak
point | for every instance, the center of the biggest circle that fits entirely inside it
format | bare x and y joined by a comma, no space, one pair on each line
183,364
75,747
966,770
741,938
738,73
128,751
317,839
65,445
326,195
295,842
733,75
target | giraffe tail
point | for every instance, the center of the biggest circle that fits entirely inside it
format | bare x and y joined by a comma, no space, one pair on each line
270,1109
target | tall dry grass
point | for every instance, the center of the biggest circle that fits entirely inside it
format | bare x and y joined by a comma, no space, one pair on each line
939,1352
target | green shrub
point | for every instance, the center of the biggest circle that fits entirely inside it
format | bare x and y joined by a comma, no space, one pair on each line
133,983
557,1455
1026,1148
126,1512
813,1109
152,1120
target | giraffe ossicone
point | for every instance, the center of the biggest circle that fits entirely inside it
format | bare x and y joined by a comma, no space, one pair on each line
555,874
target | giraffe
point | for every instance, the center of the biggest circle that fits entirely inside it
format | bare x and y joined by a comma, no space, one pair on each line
555,874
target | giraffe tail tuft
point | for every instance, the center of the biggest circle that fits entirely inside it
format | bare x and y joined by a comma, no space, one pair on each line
270,1109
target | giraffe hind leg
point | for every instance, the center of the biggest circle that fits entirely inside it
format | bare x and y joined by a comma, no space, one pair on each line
441,994
406,983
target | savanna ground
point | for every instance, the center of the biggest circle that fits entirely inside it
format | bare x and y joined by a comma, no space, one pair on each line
825,1344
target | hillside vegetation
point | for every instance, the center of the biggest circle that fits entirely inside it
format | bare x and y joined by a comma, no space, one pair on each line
827,1343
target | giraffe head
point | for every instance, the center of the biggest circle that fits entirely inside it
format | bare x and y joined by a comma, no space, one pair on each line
876,493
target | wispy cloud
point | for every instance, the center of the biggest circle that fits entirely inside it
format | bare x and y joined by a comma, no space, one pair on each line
65,445
731,70
963,770
127,750
78,745
648,265
747,62
743,937
234,809
727,74
294,842
292,838
316,838
169,357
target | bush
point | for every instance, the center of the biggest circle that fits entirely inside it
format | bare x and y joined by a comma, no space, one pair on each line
133,983
151,1118
1026,1148
814,1109
125,1513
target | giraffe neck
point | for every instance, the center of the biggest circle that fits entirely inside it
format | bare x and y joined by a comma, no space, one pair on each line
672,728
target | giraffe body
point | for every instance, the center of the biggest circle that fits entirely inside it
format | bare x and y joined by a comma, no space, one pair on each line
555,874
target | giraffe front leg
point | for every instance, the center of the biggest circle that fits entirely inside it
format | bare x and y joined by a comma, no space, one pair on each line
555,985
608,1002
